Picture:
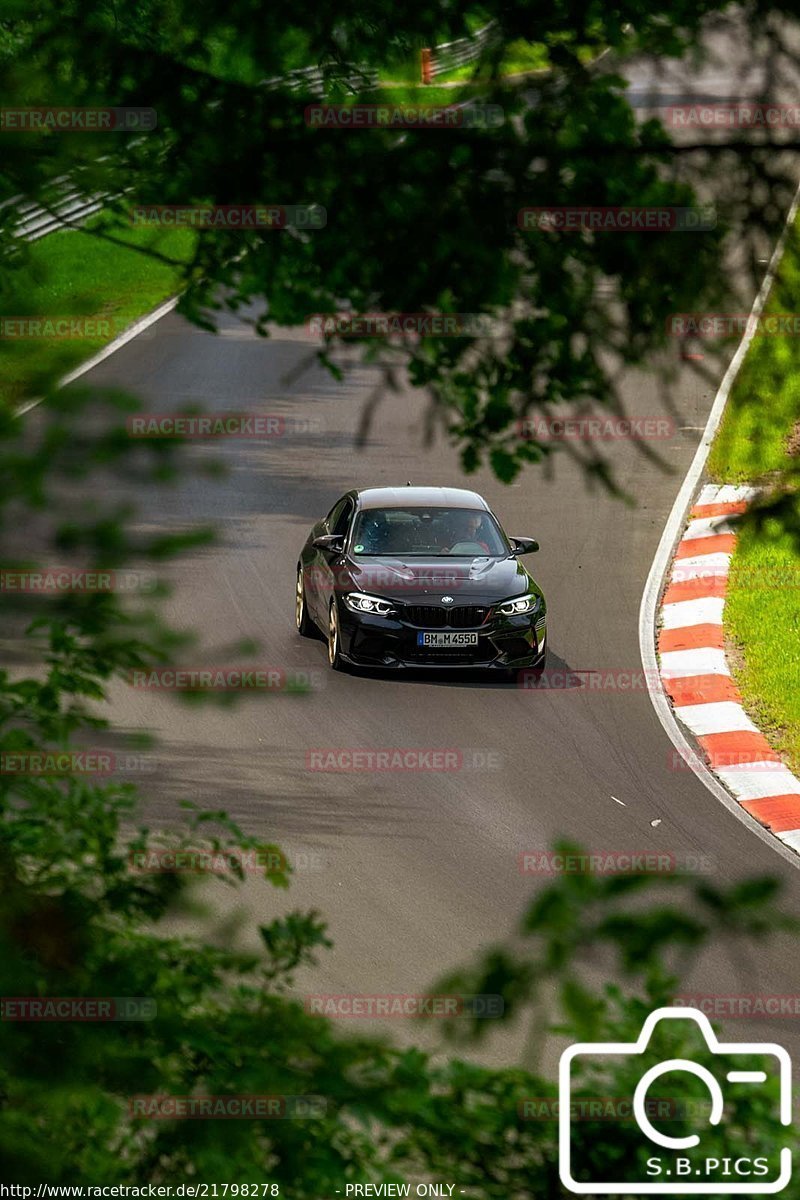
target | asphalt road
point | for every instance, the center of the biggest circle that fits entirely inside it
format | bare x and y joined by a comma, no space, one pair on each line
416,871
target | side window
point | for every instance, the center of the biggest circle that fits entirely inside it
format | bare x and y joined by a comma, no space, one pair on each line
341,521
335,513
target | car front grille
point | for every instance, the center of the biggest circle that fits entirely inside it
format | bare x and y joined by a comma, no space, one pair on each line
449,658
432,616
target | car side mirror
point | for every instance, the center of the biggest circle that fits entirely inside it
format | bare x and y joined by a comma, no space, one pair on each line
524,545
329,543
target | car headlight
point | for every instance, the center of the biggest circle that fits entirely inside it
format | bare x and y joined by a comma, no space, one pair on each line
359,602
521,606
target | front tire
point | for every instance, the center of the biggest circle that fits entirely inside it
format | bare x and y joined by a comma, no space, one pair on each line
334,639
305,626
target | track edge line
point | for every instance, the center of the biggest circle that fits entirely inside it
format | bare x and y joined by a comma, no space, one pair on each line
139,326
673,529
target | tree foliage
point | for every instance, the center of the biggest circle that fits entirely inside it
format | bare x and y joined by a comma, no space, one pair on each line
418,220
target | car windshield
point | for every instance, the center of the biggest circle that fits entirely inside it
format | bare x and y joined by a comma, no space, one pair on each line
429,533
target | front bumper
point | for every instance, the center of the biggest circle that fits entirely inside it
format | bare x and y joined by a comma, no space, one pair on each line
504,643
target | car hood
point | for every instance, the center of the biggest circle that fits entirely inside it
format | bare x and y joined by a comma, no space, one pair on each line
467,580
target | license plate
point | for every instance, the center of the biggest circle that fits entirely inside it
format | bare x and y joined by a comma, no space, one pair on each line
444,641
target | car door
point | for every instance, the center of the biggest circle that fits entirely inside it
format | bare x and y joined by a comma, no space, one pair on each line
319,577
340,519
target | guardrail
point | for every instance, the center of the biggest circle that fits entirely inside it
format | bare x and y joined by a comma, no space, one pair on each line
34,222
71,208
447,56
313,80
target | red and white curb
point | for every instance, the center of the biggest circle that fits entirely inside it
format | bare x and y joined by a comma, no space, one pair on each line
696,675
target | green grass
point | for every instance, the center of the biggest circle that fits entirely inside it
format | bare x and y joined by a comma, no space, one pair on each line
762,611
71,273
519,57
407,70
765,401
762,619
423,95
523,56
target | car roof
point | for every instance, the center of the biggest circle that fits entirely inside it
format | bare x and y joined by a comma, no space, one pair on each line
420,497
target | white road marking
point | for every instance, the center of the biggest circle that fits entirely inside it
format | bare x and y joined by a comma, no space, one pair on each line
759,780
704,566
677,664
724,716
707,611
701,527
129,334
728,493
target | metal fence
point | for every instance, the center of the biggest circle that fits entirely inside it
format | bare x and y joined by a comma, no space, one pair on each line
450,55
71,208
314,80
68,208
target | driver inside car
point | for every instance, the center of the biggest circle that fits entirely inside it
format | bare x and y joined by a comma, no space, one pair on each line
466,527
375,535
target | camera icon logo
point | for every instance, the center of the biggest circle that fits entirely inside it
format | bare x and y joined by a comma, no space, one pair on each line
678,1165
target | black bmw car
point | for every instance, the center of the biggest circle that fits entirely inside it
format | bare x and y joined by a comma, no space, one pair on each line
419,577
